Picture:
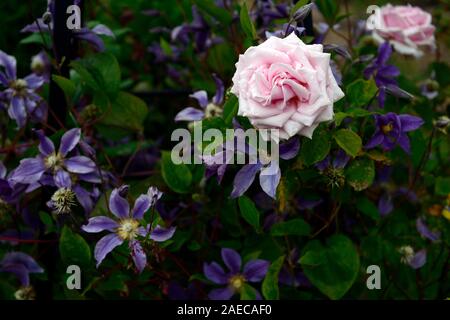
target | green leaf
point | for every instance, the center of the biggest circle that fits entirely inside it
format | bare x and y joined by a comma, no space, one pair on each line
329,9
368,208
100,72
126,111
361,92
178,177
209,7
249,211
352,113
246,22
332,268
442,186
360,173
73,248
270,288
294,227
349,141
230,109
317,148
37,38
46,218
248,292
67,86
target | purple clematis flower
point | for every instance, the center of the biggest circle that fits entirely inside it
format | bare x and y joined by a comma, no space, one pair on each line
270,173
391,130
128,227
56,168
209,109
332,168
200,30
430,89
383,73
41,66
266,11
234,279
415,260
425,232
8,193
21,265
20,98
92,36
55,162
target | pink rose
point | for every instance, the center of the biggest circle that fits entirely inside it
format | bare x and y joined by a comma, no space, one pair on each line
407,28
287,85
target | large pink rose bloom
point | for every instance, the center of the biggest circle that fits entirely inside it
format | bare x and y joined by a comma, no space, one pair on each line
287,85
407,28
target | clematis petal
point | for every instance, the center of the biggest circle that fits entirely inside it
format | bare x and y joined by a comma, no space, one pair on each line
79,164
403,142
221,294
244,179
34,81
418,260
269,178
375,140
161,234
29,171
9,63
46,146
189,114
202,98
17,111
218,97
232,260
100,223
138,255
215,273
69,141
101,29
290,149
118,205
62,179
142,204
255,270
410,123
105,245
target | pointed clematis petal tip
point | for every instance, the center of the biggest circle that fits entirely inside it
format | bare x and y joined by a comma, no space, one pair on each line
232,259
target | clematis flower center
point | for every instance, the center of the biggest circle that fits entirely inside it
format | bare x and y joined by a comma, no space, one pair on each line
237,282
128,229
37,64
212,110
54,161
407,253
62,200
387,128
335,176
25,293
19,85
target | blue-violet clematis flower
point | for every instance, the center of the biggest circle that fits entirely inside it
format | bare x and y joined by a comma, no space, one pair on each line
127,227
92,36
21,265
235,279
209,109
19,96
391,130
49,160
415,260
383,73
